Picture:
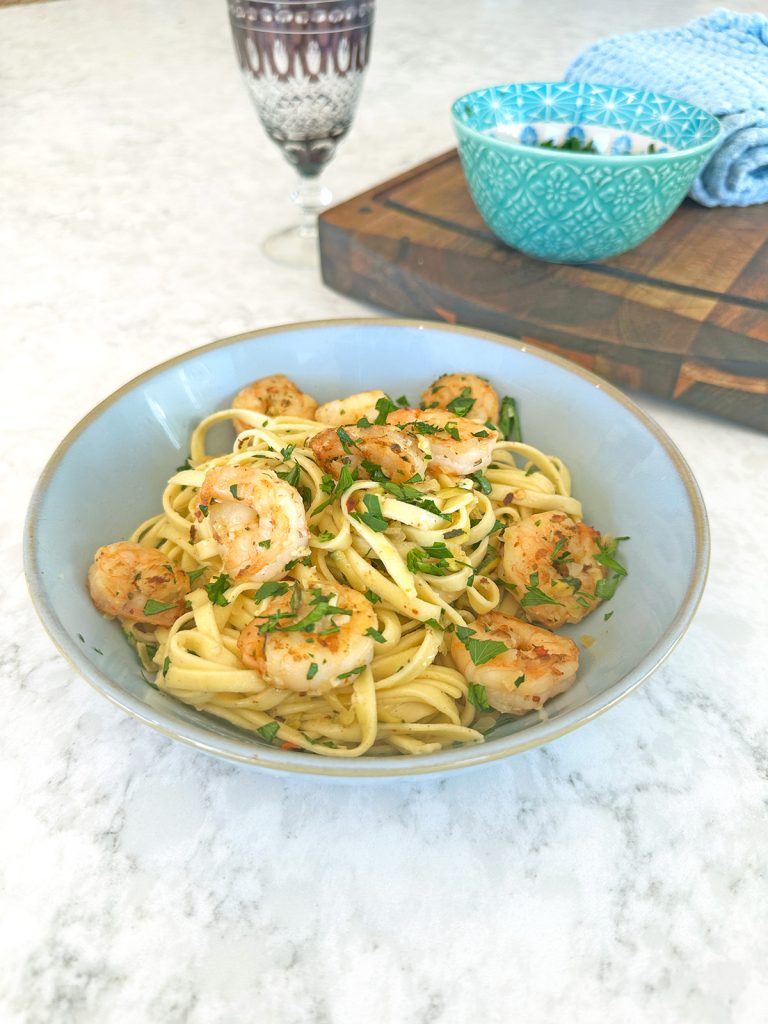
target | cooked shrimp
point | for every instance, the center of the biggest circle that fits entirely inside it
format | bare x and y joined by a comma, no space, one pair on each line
274,396
551,552
257,520
127,580
396,453
454,442
350,409
474,397
310,639
536,665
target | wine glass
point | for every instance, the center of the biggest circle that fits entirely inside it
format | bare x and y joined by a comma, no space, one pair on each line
303,62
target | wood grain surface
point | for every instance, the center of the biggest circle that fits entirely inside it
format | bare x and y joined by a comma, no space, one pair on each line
684,315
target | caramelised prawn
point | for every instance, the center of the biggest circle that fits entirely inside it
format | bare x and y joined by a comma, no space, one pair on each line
342,411
257,520
276,395
551,562
458,446
396,453
463,394
129,581
535,666
310,638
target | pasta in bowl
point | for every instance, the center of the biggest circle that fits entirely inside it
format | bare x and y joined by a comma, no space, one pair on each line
380,578
444,686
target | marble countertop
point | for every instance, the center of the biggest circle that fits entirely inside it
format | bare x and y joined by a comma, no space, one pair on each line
618,874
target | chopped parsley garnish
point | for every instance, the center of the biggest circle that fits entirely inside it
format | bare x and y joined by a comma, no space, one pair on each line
574,145
325,536
572,582
321,606
347,443
377,636
558,555
605,589
196,573
372,517
498,525
509,420
531,470
434,623
462,404
363,422
534,595
411,496
345,481
454,533
153,607
375,473
480,651
312,670
266,544
478,695
352,671
435,560
233,492
204,510
287,452
605,556
384,407
482,481
186,465
291,476
607,616
452,430
519,681
373,598
269,731
81,638
481,433
270,589
420,427
166,666
215,590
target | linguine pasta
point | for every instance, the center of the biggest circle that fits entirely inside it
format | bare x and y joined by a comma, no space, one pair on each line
432,566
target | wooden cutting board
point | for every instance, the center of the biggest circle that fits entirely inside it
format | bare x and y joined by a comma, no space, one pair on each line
684,316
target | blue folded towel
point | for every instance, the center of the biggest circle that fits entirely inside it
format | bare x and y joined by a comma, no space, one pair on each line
718,62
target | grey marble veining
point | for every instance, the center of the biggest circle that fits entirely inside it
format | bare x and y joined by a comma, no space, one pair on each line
618,874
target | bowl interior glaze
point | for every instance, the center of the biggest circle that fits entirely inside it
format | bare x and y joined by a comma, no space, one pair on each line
108,474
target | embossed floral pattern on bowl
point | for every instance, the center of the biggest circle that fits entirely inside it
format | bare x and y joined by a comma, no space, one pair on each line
573,207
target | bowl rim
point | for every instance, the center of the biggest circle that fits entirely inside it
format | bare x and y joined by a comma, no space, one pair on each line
379,767
563,154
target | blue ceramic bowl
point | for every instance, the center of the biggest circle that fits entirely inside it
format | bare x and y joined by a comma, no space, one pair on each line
573,207
628,474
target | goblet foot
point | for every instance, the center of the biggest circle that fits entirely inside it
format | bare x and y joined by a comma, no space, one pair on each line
295,246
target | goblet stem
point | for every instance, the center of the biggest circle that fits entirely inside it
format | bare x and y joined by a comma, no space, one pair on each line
311,198
296,246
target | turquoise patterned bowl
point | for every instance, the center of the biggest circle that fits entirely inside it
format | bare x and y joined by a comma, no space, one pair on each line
573,207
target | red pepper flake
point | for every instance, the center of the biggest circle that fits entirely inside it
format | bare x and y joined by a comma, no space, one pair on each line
535,699
350,504
508,498
289,746
539,651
